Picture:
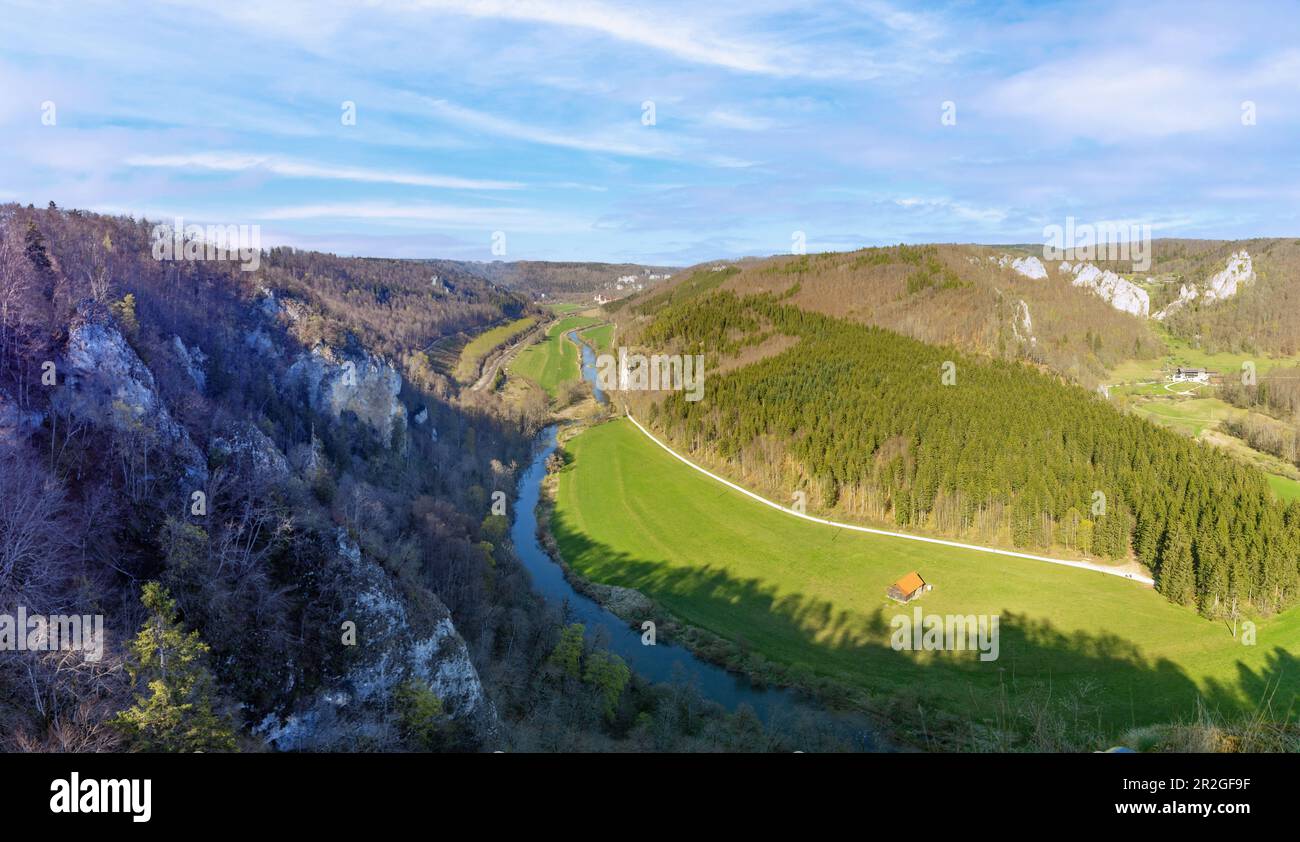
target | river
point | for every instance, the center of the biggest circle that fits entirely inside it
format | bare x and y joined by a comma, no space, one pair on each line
660,663
663,662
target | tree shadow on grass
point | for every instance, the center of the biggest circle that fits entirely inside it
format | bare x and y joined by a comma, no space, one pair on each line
1052,684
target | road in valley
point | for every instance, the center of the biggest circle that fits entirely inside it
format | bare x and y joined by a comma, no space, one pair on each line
501,356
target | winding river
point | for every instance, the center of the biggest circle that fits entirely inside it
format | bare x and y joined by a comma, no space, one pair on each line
663,662
660,663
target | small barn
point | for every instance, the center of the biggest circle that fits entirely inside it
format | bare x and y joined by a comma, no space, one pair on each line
907,588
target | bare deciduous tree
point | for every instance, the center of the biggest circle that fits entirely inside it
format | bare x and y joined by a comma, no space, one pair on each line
35,533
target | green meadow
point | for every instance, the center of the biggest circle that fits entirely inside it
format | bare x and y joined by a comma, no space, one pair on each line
810,599
600,337
1182,353
554,361
483,344
1285,488
1192,408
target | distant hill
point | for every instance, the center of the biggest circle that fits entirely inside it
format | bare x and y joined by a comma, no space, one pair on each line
1079,317
1258,293
539,278
1001,302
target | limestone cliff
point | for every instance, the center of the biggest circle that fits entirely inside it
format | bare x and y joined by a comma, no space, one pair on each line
102,381
394,643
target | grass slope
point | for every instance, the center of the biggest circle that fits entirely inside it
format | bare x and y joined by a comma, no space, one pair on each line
600,337
1193,410
554,361
483,344
1285,488
812,597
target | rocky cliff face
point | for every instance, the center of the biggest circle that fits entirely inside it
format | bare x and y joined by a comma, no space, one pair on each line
104,382
1121,294
361,383
1022,326
391,647
1186,294
1240,270
1030,267
1218,287
193,361
246,445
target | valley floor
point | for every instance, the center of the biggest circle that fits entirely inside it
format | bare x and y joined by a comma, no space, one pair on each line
1194,410
807,602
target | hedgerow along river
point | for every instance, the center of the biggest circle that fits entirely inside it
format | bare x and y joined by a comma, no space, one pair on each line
660,663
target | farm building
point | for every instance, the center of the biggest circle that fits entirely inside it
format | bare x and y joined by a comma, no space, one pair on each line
907,588
1191,375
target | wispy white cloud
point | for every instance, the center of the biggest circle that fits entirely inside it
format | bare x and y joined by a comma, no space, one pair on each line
765,124
959,210
444,216
1117,95
675,34
1111,97
729,119
236,162
654,146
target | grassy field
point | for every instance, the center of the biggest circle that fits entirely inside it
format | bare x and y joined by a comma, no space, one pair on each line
1191,409
563,308
1189,415
1180,353
600,337
1285,488
1200,418
554,361
812,596
483,344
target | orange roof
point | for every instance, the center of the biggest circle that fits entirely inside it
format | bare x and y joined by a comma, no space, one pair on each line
910,582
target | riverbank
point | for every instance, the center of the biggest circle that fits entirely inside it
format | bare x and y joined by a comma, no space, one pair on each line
656,661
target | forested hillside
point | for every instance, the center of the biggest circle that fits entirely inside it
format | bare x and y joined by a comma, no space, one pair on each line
289,523
968,296
245,441
557,279
863,419
1273,425
1260,318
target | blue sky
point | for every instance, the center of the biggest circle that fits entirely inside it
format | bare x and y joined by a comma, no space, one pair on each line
770,118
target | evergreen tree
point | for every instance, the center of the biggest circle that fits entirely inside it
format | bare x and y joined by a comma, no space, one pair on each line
861,413
423,722
174,713
1177,578
38,255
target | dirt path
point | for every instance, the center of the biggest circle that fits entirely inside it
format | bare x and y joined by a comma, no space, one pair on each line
1128,571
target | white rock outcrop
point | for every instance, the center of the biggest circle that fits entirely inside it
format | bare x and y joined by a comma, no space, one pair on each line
192,360
1218,287
251,450
361,383
1030,267
1222,285
351,708
1022,326
1186,294
104,382
1121,294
